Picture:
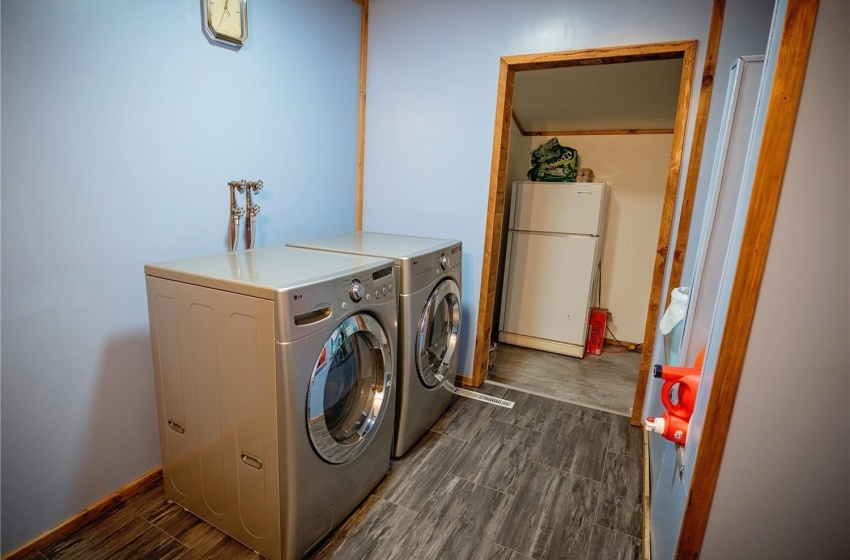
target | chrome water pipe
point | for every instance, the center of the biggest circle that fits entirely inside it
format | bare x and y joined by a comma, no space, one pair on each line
253,210
236,212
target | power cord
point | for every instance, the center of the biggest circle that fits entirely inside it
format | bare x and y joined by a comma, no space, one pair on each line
627,347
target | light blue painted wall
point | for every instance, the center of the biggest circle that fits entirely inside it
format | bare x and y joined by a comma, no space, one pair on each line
433,72
745,28
121,125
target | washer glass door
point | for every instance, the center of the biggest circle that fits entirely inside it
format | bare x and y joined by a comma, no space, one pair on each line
437,336
349,388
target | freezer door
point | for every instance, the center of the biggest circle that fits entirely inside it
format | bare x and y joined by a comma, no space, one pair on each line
558,207
548,286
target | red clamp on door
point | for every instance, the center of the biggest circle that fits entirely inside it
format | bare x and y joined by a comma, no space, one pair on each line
679,393
669,426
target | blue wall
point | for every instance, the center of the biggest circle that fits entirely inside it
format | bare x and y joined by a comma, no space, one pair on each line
121,125
433,73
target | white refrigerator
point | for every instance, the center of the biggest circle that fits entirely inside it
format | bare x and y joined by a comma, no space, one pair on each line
554,251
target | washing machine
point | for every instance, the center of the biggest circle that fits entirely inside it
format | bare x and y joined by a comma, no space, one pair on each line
429,297
275,387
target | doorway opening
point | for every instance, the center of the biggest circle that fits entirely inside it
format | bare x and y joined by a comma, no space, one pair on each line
588,137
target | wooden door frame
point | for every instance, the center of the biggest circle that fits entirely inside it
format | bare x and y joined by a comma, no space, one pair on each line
697,145
361,115
509,65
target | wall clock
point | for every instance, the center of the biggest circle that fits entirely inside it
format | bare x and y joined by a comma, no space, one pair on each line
227,21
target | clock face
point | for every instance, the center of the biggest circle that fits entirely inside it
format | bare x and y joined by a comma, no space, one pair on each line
227,20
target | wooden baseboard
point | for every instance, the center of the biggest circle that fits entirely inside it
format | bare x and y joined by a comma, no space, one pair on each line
89,514
466,382
647,553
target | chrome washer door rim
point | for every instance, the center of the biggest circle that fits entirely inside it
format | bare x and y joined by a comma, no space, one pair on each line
324,442
429,375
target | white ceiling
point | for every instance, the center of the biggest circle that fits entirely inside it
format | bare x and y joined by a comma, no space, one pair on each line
633,95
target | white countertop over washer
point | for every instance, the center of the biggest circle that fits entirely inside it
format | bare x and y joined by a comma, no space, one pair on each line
260,272
398,247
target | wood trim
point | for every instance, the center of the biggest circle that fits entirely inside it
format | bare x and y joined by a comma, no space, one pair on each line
517,123
667,211
498,177
89,514
791,61
607,132
493,229
591,57
361,116
645,545
695,161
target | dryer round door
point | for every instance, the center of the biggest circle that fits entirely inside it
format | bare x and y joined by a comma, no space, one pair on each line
349,388
437,336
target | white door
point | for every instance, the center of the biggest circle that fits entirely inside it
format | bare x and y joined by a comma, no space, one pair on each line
558,207
548,286
724,192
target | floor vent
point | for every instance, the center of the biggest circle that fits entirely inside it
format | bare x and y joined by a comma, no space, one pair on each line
479,396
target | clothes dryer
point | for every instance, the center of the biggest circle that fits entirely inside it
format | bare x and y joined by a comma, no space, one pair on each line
275,385
429,298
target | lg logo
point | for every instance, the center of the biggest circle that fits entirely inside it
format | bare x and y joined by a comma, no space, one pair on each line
297,297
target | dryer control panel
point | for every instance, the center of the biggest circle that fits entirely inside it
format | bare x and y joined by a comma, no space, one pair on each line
424,269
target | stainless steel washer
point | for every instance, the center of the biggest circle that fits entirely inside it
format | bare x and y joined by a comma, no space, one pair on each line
276,388
429,298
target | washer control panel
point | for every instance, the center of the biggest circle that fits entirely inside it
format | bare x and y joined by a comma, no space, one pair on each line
448,260
377,286
356,290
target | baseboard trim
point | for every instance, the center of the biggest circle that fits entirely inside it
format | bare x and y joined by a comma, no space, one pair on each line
89,514
554,346
647,552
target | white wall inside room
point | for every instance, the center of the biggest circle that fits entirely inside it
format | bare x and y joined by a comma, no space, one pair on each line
121,125
424,85
635,166
519,157
629,95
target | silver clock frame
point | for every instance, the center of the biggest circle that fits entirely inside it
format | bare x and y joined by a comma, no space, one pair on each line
224,39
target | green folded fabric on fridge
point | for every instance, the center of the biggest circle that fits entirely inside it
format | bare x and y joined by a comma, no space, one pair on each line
554,163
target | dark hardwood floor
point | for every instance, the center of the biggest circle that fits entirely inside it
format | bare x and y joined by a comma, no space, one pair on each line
544,480
606,382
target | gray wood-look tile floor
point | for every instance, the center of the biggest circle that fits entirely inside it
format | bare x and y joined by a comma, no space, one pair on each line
604,382
544,480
